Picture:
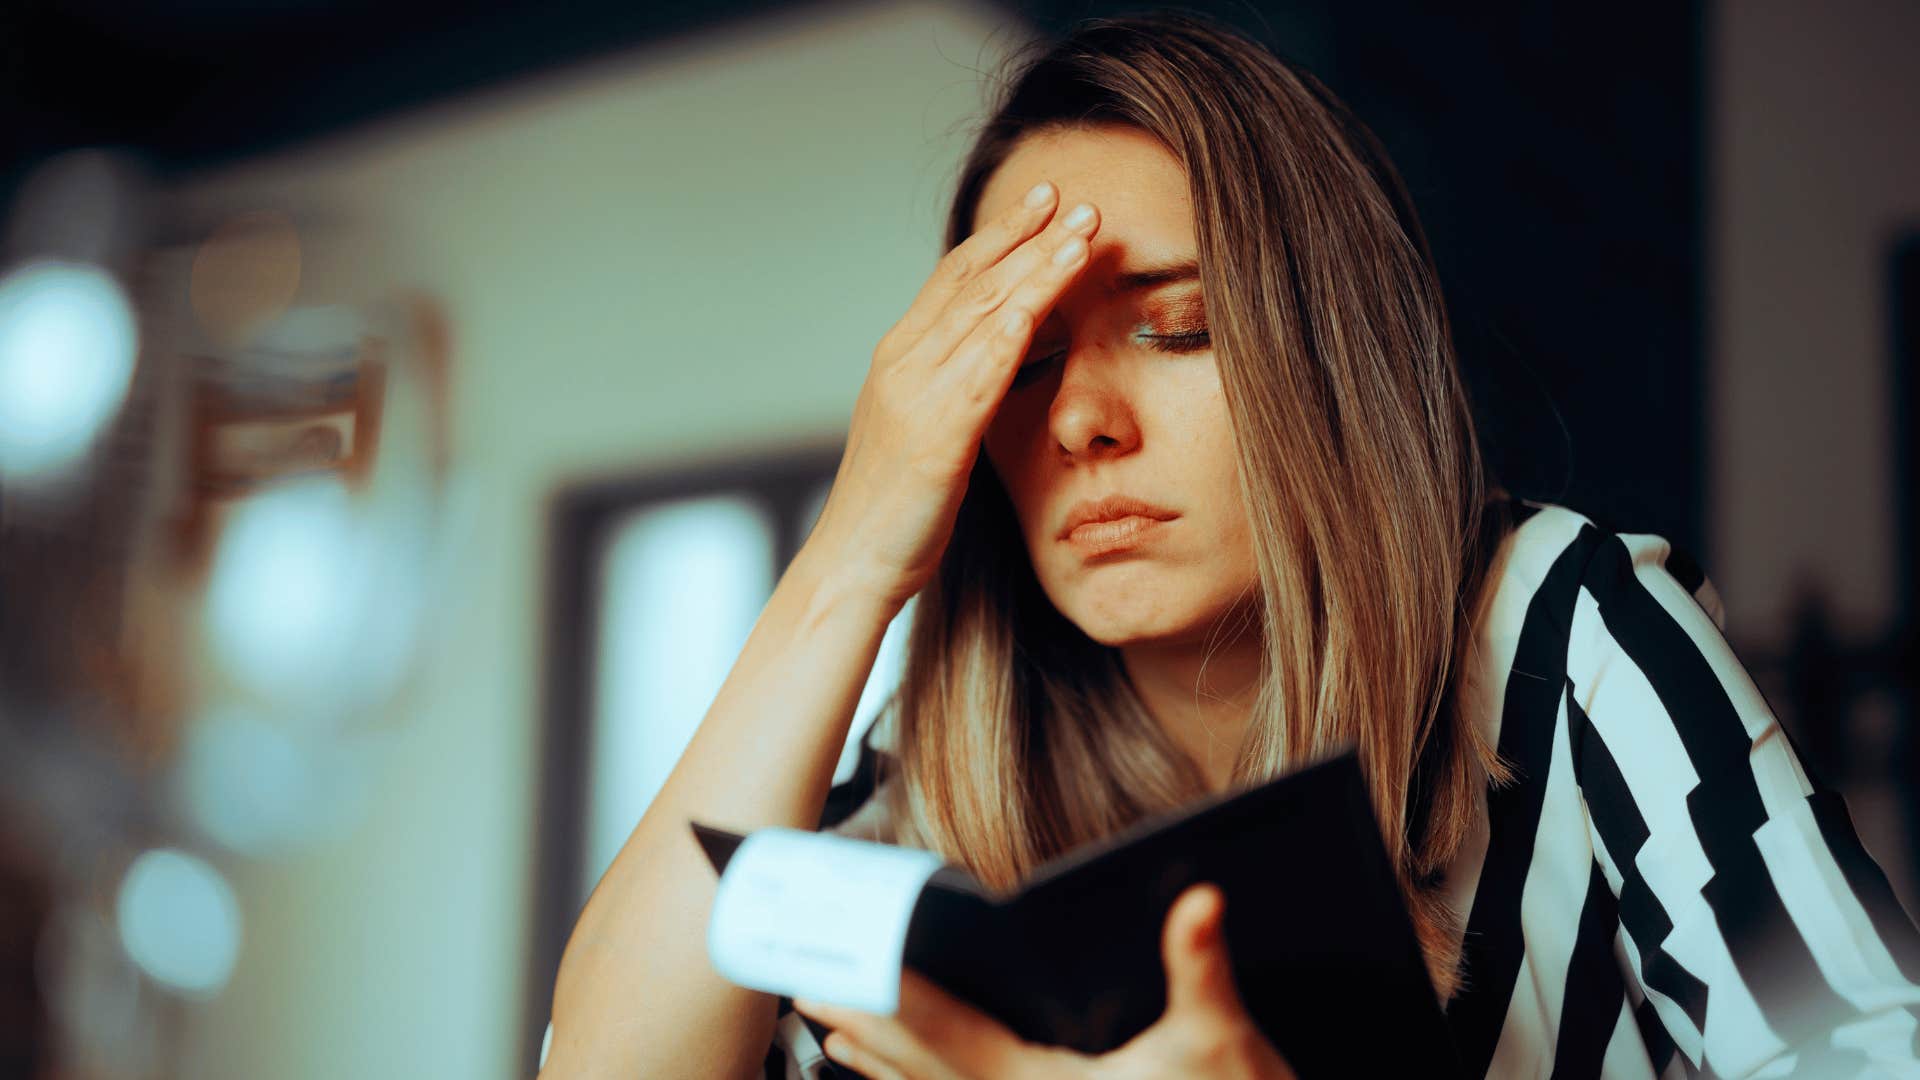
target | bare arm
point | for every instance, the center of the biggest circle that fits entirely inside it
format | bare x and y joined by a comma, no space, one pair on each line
636,995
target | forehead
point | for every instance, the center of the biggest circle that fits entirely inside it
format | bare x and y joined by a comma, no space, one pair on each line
1136,182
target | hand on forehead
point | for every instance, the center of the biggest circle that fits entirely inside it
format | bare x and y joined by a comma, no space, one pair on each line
1139,187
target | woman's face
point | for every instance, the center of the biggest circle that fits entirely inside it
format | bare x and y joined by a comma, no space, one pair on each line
1122,397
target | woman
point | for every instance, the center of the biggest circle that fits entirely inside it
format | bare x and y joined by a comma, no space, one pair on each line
1188,489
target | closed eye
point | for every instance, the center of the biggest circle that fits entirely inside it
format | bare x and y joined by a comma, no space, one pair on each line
1189,341
1184,342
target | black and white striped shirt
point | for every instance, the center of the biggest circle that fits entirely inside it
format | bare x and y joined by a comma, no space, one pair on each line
1665,891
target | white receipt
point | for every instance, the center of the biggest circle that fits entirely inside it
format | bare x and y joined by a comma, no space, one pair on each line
817,916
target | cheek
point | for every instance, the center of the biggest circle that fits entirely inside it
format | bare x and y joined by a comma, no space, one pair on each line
1214,458
1002,466
993,446
1196,412
1222,459
1008,432
1004,447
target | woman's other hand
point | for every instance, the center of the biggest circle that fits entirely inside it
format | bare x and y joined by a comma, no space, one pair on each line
1205,1031
937,379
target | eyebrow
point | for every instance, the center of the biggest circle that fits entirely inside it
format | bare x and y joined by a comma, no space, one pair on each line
1150,277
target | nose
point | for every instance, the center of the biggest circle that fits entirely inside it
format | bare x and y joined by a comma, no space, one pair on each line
1092,416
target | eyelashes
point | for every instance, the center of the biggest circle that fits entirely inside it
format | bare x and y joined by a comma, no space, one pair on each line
1184,342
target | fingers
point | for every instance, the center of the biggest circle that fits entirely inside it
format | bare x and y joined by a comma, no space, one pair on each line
983,365
1029,281
1199,973
972,257
882,1047
936,1036
844,1050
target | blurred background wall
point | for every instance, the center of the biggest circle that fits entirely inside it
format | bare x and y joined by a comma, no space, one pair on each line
662,241
1815,195
648,260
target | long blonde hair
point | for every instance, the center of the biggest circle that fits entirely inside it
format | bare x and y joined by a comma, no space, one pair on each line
1019,737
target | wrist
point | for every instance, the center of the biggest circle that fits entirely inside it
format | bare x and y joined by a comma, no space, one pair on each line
836,582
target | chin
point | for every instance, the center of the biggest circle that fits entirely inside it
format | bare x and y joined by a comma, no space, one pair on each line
1115,625
1135,611
1116,637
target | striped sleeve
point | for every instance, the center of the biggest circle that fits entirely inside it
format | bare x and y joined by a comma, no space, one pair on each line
1758,936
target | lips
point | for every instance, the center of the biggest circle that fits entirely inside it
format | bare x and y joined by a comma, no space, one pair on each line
1111,508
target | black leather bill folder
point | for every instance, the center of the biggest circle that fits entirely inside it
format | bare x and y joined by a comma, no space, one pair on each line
1324,953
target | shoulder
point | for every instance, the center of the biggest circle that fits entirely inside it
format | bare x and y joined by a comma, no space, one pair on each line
1654,692
1553,554
1541,632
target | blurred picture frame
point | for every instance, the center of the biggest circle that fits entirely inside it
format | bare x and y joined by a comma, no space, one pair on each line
247,431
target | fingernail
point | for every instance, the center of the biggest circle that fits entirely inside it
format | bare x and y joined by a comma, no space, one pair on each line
1080,216
1039,195
1070,251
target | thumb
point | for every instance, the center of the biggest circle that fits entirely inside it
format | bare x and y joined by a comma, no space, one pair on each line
1199,973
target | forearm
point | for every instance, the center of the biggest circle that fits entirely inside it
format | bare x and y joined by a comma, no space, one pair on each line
635,994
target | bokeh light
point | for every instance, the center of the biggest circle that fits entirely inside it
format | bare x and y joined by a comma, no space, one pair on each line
281,604
179,921
245,275
67,344
85,205
260,788
316,595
